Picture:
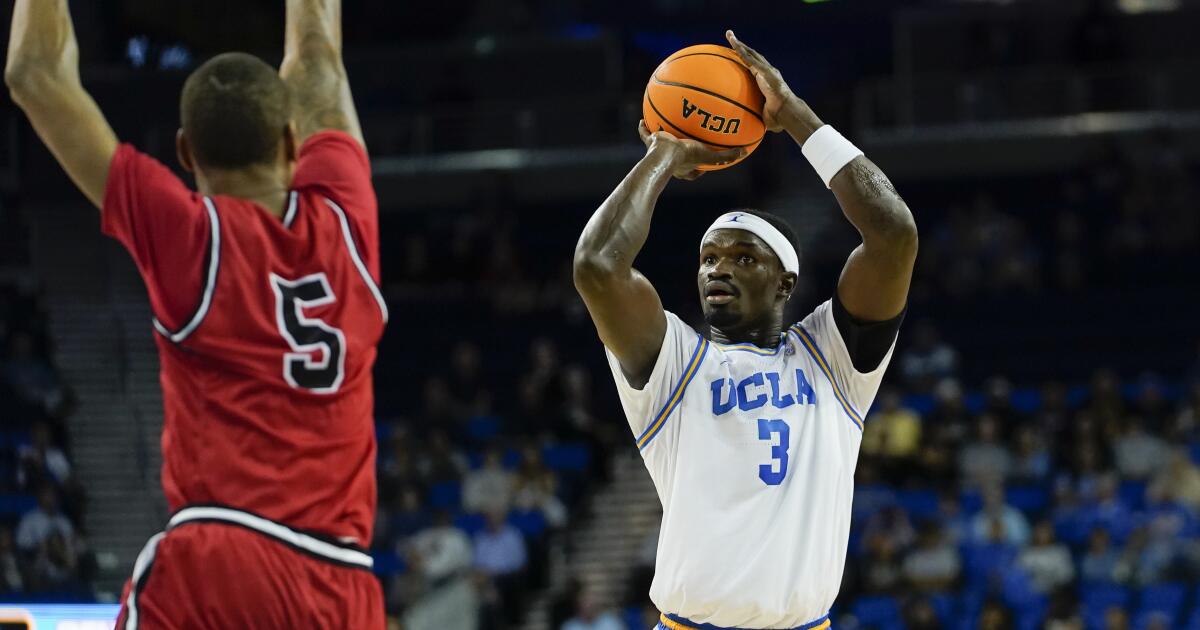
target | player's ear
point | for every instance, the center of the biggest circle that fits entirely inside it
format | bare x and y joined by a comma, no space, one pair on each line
787,285
183,152
290,147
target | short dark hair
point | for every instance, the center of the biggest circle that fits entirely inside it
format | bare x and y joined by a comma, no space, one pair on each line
234,109
779,223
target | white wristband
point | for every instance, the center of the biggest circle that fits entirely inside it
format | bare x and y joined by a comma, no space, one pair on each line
828,151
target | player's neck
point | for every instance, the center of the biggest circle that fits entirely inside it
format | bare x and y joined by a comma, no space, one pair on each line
266,185
764,336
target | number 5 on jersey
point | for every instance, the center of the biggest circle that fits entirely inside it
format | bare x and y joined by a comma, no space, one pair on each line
318,358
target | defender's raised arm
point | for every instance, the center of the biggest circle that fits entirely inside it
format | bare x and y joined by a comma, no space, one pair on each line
624,305
312,67
874,283
42,73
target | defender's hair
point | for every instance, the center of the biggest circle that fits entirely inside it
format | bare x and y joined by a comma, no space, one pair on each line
234,110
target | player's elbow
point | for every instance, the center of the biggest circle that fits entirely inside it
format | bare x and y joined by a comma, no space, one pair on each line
591,270
901,234
20,79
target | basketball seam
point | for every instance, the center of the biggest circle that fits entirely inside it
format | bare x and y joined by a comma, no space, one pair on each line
708,92
731,60
696,138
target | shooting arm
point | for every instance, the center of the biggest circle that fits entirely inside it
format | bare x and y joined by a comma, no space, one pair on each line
874,283
42,74
624,305
312,67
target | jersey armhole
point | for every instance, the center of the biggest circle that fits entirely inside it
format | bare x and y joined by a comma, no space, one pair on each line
212,266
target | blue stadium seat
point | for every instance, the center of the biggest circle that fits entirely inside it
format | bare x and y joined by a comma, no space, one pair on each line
920,504
881,611
1100,597
531,523
1132,493
1028,498
1148,618
1193,622
943,607
971,501
16,504
471,523
1196,452
445,496
567,457
1164,598
632,616
388,564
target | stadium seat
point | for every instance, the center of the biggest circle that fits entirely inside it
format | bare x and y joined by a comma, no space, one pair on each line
879,611
531,523
1031,499
1149,618
567,457
1193,621
919,504
388,564
971,501
471,523
1132,493
1101,596
1164,598
943,606
445,496
16,504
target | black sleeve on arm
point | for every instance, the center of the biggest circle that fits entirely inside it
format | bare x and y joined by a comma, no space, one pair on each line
867,342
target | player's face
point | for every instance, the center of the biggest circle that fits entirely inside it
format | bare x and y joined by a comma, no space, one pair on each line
739,281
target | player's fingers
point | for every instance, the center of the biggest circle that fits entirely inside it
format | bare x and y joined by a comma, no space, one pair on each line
643,132
727,156
748,54
692,176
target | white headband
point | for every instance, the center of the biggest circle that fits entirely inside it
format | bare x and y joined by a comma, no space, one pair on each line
759,227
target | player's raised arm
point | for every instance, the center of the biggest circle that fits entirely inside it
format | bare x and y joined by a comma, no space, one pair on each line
874,283
624,305
42,73
312,67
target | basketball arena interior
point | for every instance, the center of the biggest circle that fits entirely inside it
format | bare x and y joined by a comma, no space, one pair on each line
1032,459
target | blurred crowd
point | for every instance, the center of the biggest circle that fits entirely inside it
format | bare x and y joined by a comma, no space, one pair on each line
43,553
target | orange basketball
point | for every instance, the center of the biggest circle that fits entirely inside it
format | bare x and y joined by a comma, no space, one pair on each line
706,93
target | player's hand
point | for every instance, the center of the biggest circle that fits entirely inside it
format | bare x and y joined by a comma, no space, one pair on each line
775,90
686,155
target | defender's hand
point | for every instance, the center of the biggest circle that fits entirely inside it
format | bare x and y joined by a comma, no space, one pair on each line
686,155
779,97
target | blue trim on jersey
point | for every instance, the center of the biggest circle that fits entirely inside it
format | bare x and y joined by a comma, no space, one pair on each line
810,344
753,349
709,626
660,420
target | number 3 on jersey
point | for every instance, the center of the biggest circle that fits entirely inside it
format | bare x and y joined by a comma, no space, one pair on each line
302,368
779,452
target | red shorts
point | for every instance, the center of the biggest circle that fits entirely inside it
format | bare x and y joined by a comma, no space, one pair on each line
221,568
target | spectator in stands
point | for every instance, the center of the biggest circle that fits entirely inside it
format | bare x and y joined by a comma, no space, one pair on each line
985,460
490,488
11,579
1032,461
500,558
892,524
892,435
1047,561
994,616
398,467
438,553
441,461
1011,523
1141,562
406,516
534,488
1105,404
1179,480
466,382
934,565
30,377
928,359
591,615
1115,618
882,570
1138,453
41,461
1186,427
48,539
956,525
1107,510
1100,562
918,614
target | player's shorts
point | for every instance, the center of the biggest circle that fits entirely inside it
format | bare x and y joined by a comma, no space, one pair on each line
675,622
219,568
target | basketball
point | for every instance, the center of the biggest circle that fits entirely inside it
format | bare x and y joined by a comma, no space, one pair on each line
706,93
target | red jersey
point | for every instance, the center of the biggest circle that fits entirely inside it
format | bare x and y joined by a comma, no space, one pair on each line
267,331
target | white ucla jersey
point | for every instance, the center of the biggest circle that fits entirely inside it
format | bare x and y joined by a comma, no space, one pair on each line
752,452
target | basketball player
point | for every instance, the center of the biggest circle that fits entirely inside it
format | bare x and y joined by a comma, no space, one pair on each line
267,312
751,431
